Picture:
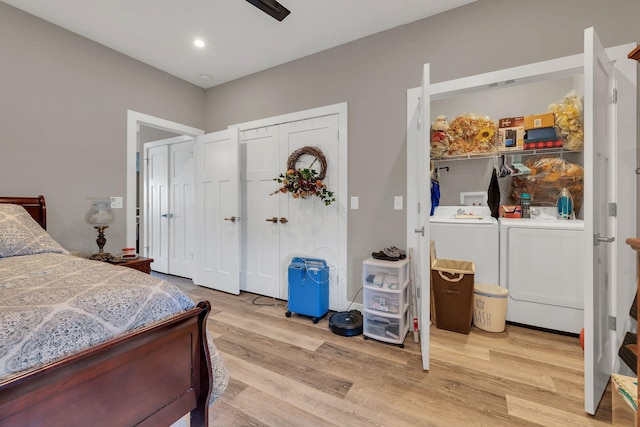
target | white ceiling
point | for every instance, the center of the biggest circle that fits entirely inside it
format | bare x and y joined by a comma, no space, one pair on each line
240,39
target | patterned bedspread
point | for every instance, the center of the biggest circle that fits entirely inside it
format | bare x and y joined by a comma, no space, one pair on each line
54,305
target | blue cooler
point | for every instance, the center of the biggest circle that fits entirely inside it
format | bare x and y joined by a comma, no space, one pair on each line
308,287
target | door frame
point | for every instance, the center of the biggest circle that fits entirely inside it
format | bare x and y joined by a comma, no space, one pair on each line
134,121
144,214
342,191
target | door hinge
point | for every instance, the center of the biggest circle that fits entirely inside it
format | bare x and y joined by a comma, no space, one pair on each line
417,292
613,209
614,96
612,323
419,122
418,207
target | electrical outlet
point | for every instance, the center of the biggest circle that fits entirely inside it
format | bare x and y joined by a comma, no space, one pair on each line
116,202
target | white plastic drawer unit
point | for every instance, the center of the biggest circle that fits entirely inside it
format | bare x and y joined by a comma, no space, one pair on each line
385,328
388,301
385,300
379,272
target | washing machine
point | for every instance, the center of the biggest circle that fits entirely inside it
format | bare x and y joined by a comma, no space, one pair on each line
468,233
541,263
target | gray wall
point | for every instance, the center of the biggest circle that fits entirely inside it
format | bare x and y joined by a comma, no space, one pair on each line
372,74
63,102
63,119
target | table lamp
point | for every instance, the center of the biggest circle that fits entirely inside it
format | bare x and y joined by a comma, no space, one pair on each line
100,216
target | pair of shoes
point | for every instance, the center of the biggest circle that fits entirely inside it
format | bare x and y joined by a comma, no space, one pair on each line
390,254
382,256
401,254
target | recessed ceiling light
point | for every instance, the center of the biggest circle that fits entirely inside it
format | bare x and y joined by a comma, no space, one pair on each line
198,43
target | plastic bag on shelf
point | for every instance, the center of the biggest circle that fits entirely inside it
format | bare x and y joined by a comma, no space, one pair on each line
439,137
472,134
549,175
568,121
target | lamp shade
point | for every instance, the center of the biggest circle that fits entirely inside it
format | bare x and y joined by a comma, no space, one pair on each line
100,213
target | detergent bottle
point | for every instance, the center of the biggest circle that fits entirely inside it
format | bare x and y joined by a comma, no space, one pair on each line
525,205
565,205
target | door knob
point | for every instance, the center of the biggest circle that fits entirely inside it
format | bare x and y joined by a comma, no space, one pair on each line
597,239
232,219
273,220
167,215
284,220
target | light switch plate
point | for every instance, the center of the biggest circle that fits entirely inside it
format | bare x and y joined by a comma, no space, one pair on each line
397,203
354,202
116,202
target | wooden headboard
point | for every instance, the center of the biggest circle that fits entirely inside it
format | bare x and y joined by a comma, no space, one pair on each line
34,205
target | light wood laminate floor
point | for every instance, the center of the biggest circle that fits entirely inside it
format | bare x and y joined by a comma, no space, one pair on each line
291,372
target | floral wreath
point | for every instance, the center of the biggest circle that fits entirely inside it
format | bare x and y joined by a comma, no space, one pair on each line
302,183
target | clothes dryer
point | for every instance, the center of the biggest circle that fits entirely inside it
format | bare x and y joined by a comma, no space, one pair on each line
541,266
468,233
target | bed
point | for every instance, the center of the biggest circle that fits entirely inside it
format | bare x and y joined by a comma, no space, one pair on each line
89,343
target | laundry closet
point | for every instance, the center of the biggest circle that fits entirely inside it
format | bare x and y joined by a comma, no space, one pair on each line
561,274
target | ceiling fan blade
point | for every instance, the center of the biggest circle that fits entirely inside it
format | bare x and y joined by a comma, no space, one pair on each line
271,8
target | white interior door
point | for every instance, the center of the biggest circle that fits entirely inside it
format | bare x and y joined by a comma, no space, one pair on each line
312,229
168,195
217,241
260,226
422,264
307,228
598,145
181,206
156,190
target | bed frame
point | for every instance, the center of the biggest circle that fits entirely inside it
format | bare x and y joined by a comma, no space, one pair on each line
150,377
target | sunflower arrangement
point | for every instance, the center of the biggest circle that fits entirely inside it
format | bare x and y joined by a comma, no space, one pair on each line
471,134
302,183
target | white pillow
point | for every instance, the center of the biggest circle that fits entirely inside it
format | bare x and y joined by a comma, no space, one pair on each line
20,234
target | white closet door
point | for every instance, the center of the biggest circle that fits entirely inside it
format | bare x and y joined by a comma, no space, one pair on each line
181,207
311,228
598,190
259,270
217,237
423,253
157,204
279,227
168,195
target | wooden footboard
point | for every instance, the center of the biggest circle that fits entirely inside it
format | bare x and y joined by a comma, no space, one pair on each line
151,377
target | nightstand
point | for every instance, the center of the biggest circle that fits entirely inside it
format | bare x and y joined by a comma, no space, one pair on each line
141,264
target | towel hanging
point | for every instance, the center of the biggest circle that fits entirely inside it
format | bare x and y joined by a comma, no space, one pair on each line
493,195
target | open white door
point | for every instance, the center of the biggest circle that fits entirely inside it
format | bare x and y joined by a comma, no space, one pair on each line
156,199
598,145
422,267
217,239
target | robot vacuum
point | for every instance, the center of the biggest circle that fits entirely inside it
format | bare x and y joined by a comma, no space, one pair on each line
346,323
